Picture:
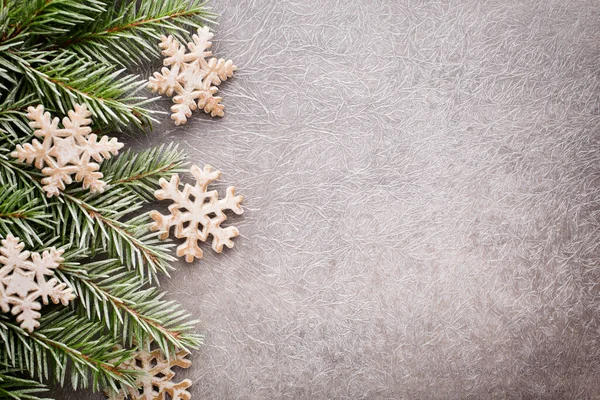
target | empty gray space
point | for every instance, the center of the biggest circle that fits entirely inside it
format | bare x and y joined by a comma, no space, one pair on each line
422,213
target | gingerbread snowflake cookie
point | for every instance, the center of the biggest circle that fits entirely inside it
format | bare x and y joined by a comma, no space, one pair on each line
66,151
23,282
196,213
193,76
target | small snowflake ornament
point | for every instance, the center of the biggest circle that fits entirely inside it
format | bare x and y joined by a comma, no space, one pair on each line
23,281
196,213
155,382
66,151
192,77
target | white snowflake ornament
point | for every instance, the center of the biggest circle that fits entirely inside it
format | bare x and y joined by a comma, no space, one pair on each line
23,282
155,380
192,78
196,213
66,151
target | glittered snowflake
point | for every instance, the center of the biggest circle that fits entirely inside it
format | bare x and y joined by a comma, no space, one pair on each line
196,213
23,282
155,382
192,76
66,151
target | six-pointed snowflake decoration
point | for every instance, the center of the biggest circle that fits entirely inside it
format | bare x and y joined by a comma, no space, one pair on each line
196,213
66,151
155,381
23,282
192,77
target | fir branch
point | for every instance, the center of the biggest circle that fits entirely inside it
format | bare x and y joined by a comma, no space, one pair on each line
65,340
12,173
22,214
66,51
127,33
67,79
95,223
16,388
47,17
113,295
56,53
140,172
13,123
4,18
9,70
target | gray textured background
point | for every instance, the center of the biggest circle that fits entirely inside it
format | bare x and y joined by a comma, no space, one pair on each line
423,214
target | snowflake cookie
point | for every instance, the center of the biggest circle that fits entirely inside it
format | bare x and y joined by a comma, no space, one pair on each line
66,151
23,282
196,213
192,77
156,381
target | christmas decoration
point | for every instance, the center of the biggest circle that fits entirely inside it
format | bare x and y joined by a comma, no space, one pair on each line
67,151
196,213
79,55
155,382
191,76
23,282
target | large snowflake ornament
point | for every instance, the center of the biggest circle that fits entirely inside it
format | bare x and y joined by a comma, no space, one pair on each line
192,77
196,213
155,380
66,151
23,281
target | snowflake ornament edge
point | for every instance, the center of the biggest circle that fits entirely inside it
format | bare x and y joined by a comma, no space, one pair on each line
192,77
196,212
66,151
22,272
148,382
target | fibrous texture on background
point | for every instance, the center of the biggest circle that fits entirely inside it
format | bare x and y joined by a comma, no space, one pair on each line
421,183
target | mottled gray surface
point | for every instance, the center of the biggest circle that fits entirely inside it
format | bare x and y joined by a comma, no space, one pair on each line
423,213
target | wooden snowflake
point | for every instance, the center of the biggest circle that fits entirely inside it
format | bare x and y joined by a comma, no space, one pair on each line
155,382
192,77
196,213
23,281
66,151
